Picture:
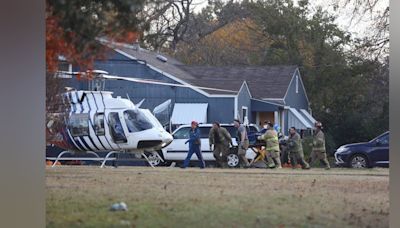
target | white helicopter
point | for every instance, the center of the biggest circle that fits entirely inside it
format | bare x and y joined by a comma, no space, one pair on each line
94,121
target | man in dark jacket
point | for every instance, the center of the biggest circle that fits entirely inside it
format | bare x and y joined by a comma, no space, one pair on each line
295,149
194,146
221,139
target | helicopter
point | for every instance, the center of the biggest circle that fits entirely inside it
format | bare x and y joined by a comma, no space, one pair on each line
92,121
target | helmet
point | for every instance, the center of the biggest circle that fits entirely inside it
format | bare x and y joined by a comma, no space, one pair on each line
318,124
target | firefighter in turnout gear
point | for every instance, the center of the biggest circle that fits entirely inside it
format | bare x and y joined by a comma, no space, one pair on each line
272,146
296,149
221,139
318,150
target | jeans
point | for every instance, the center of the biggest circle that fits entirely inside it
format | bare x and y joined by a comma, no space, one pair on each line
194,149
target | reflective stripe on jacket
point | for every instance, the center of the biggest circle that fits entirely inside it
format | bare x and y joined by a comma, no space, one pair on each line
271,139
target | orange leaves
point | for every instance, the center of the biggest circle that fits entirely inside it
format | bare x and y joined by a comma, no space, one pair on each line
127,37
242,34
62,44
55,44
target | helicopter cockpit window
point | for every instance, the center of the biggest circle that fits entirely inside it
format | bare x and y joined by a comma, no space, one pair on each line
99,124
137,121
79,124
117,132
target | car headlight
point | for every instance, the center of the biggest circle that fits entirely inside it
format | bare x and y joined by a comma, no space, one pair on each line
341,149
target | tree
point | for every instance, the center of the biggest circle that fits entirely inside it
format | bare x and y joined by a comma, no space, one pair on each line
375,43
233,44
340,82
168,22
72,29
173,22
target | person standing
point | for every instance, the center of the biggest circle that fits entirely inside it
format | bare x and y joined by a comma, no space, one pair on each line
295,149
272,146
194,146
243,143
283,148
221,139
318,146
264,127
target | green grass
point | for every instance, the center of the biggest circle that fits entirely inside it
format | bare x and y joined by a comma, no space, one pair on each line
171,197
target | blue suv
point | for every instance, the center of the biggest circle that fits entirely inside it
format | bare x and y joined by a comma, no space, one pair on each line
366,154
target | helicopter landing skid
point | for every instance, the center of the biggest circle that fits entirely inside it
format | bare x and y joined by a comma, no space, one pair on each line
107,158
147,159
97,158
115,152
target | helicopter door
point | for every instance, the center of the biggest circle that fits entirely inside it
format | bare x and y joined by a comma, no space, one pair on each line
116,130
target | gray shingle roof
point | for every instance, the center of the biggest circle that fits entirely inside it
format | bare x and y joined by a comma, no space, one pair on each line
170,67
263,81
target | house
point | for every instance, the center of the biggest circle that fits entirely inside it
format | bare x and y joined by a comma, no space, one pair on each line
274,93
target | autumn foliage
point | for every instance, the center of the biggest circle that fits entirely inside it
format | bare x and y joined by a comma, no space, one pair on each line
56,44
73,27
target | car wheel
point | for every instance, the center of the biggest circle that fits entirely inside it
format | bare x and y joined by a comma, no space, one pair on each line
232,160
358,161
154,159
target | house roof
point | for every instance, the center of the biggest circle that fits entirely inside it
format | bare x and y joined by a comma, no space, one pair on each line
170,66
263,81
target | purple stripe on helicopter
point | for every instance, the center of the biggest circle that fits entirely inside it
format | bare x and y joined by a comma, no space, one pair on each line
90,124
99,147
97,108
76,142
105,120
81,138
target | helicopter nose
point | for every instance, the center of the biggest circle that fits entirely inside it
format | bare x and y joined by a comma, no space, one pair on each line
167,139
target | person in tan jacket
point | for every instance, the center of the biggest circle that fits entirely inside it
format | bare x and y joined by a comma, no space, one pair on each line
318,150
272,146
220,138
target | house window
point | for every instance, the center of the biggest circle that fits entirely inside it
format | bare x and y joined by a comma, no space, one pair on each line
79,124
244,113
297,83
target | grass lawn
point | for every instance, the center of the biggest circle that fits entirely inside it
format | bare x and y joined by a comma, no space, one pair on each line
172,197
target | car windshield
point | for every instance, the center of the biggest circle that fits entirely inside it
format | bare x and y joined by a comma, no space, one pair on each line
182,133
136,121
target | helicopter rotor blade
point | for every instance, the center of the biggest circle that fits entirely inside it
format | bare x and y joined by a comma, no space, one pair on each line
147,81
95,73
105,75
